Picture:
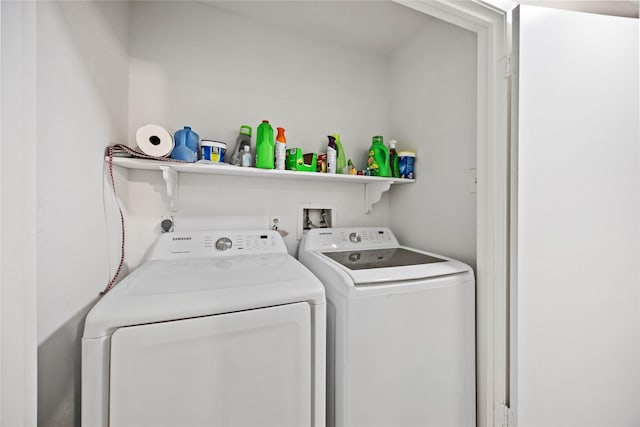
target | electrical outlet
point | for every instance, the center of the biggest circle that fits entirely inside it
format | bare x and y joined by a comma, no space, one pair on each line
275,222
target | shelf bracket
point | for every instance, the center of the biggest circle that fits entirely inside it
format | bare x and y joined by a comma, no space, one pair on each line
373,193
170,177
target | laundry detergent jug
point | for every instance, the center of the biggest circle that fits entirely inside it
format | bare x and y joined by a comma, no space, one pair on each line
265,146
378,161
186,145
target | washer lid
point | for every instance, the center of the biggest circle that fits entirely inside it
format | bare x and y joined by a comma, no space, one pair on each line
165,290
381,258
379,266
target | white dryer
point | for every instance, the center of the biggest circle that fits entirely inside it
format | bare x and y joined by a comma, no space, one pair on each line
217,328
400,330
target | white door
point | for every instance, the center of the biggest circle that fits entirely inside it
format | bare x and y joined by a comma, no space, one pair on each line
251,368
576,274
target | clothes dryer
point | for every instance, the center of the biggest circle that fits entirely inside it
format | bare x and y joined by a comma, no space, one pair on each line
216,328
400,330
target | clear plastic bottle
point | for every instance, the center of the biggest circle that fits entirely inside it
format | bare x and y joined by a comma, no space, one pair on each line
246,156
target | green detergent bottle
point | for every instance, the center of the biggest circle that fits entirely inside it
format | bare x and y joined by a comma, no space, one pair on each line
265,146
378,161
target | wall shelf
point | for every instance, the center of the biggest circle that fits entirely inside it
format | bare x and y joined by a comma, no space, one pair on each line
374,186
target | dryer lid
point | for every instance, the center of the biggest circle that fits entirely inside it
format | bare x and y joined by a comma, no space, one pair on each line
164,290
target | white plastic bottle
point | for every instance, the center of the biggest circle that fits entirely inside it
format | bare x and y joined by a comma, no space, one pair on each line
331,155
246,156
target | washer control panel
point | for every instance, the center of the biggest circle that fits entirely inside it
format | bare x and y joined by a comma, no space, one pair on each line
210,244
355,237
349,238
224,243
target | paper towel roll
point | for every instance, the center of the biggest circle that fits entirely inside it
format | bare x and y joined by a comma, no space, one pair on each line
154,140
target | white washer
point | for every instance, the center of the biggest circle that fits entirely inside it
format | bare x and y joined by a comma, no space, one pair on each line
400,330
217,328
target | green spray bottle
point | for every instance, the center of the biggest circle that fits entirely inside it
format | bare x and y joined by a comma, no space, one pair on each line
393,159
341,161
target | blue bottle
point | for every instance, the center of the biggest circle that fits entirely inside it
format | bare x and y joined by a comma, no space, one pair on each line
186,145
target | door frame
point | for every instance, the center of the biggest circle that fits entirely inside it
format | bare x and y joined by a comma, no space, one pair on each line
18,210
489,24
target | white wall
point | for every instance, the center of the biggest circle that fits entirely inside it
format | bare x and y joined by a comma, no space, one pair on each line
106,68
217,201
82,84
216,70
433,112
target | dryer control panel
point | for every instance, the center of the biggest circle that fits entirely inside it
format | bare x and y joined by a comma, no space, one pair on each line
219,243
322,239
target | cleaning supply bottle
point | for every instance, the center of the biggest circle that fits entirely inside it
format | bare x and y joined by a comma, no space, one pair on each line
264,146
243,140
332,155
341,160
246,156
351,170
393,159
281,149
186,145
378,161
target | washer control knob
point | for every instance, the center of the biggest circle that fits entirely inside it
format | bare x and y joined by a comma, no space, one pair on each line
355,238
223,243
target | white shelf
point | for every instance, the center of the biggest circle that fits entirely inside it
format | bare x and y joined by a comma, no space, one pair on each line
374,186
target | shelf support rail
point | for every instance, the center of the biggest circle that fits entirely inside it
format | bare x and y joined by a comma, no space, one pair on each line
373,193
170,177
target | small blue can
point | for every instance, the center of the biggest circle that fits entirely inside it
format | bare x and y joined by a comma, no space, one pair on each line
406,160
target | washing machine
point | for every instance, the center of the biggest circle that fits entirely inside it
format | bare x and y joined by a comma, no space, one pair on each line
400,330
218,328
